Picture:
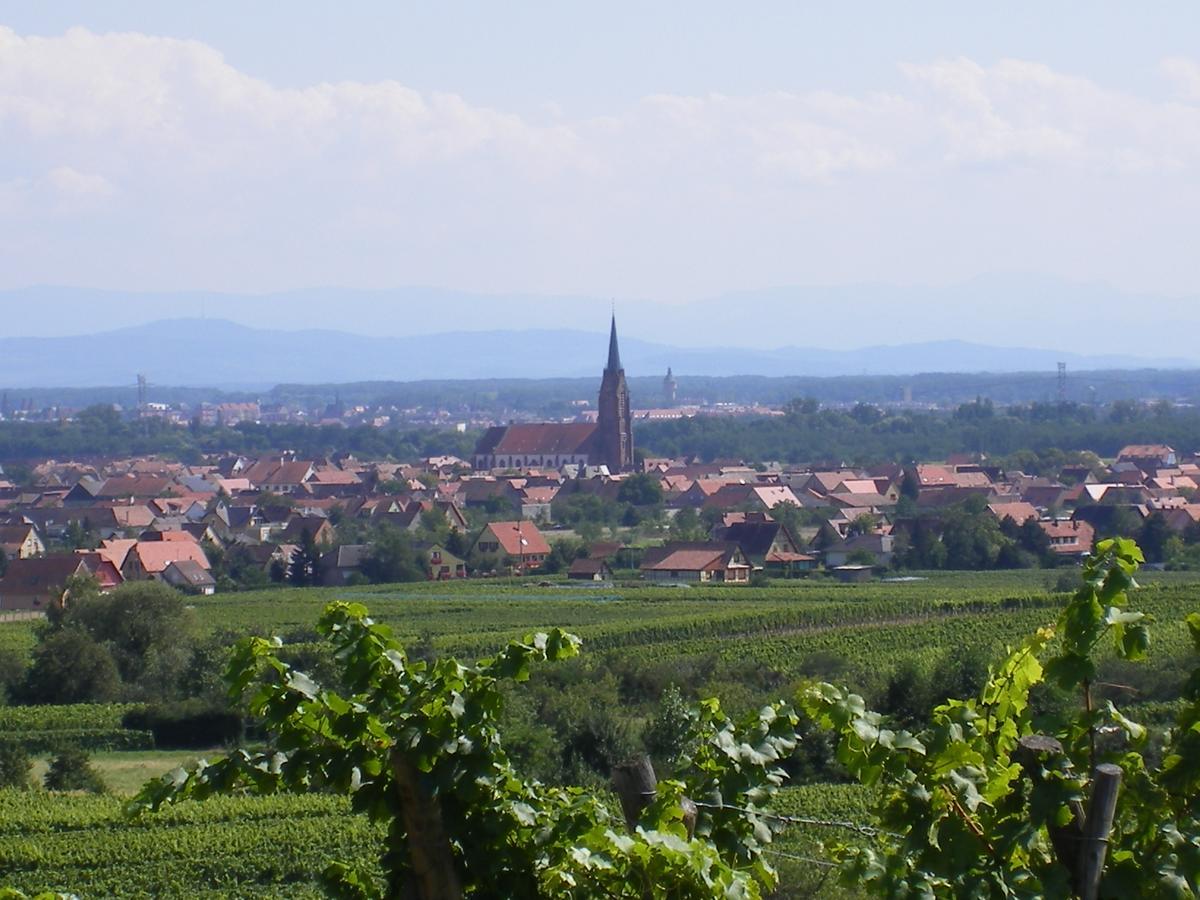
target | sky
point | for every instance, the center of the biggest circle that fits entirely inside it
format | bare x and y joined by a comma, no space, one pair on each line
669,152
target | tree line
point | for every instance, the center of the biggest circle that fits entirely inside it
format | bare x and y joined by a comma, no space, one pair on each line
866,434
102,431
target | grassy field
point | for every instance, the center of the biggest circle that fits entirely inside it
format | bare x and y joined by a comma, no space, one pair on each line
789,630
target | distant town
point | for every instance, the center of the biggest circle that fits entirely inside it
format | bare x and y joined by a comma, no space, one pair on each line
573,499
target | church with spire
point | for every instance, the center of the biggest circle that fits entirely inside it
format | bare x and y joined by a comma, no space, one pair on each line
606,442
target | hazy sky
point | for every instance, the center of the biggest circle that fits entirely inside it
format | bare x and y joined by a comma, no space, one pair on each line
671,151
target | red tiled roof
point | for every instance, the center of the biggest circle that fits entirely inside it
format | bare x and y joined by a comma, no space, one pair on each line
932,476
693,560
518,538
536,439
133,486
1145,451
1070,536
116,550
41,570
786,557
1019,511
157,555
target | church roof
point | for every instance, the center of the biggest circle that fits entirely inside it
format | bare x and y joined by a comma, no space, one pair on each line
541,439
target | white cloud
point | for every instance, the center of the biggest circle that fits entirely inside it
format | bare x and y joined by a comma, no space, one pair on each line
73,183
1185,74
376,183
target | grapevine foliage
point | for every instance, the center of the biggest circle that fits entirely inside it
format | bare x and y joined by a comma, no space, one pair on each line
405,726
987,801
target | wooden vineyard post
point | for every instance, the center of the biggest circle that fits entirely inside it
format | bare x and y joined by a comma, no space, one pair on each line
636,785
1093,850
1081,846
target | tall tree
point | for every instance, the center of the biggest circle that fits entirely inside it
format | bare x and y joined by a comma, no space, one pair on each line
305,567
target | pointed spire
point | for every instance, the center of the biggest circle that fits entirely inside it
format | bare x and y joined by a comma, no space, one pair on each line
614,354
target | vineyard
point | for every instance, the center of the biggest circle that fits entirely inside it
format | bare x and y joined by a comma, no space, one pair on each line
245,847
264,846
277,846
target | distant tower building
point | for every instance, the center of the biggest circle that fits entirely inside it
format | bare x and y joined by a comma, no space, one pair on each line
614,426
669,388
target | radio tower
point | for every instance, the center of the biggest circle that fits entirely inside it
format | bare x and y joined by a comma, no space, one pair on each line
141,392
1062,382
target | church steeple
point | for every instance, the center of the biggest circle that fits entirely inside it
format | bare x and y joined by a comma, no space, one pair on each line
614,353
614,426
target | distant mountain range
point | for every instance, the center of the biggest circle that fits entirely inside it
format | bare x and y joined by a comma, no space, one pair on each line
1010,310
222,354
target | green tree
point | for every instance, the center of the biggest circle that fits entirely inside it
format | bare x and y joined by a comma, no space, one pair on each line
80,536
563,552
145,626
392,559
305,566
69,666
435,525
1153,537
686,525
640,489
972,539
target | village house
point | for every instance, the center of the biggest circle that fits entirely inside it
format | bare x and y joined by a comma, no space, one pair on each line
1018,510
588,569
750,496
320,529
149,559
343,564
872,549
189,576
1148,457
766,543
285,475
1070,538
107,575
442,565
700,562
519,544
39,582
21,541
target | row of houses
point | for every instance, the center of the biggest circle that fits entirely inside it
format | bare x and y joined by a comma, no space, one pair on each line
139,513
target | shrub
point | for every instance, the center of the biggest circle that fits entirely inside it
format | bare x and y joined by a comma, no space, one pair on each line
672,732
189,725
71,770
15,765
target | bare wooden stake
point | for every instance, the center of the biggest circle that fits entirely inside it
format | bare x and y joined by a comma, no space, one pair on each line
1093,850
690,814
636,785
